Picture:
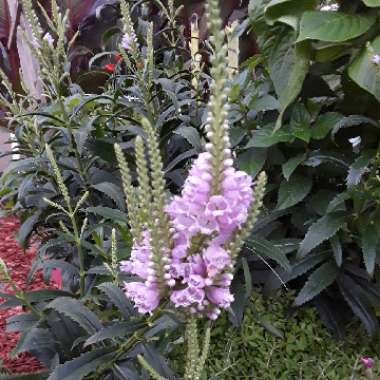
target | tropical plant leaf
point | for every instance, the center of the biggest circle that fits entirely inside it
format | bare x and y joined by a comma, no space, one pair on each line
76,311
323,229
293,191
333,26
318,281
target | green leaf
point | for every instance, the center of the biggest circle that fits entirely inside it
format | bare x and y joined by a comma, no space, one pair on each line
252,161
287,11
76,311
21,322
291,165
358,303
337,250
324,124
109,213
265,103
118,298
191,135
358,168
288,65
372,3
263,247
266,137
34,340
333,26
323,229
80,367
338,202
119,330
112,191
318,281
293,191
365,72
27,228
369,239
300,122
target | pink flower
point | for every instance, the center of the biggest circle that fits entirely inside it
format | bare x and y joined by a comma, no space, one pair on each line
367,362
145,298
376,59
216,259
220,296
126,41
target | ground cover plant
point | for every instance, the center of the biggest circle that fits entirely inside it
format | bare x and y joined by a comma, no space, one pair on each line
304,109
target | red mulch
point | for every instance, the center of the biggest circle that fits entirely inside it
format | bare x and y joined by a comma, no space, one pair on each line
18,262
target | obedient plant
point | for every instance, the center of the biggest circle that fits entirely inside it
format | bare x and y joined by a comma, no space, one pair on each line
184,250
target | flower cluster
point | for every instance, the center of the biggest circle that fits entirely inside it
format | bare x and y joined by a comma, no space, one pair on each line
199,271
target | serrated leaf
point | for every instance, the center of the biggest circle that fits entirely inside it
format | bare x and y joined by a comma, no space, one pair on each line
119,330
323,229
291,165
80,367
358,168
20,322
112,191
109,213
333,26
76,311
293,191
252,161
26,228
118,298
191,135
318,281
265,248
369,238
337,249
337,201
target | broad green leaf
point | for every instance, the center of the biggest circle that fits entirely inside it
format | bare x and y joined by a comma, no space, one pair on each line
358,168
288,65
372,3
300,122
252,160
109,213
365,72
338,202
318,281
330,53
287,11
291,165
265,103
293,191
263,247
324,124
21,322
266,137
83,365
34,340
323,229
333,26
369,240
118,298
75,310
112,191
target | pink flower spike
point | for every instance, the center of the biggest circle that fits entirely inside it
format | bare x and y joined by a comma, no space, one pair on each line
376,59
367,362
